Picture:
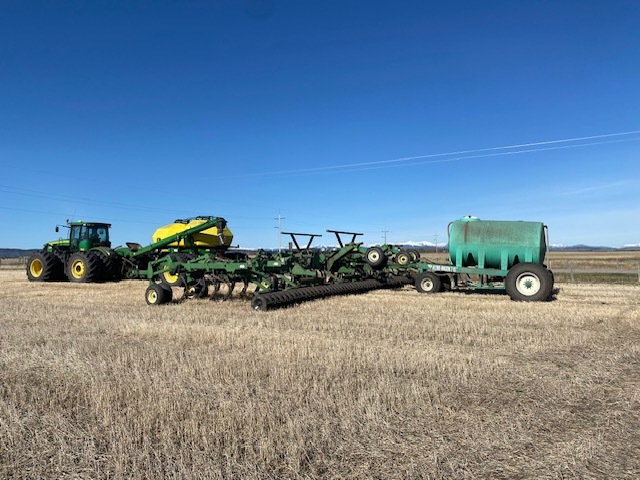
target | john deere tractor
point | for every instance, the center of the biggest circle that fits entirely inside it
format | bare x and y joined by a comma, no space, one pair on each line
86,256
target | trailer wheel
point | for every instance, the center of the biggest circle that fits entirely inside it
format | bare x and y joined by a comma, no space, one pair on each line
529,282
157,294
44,266
375,257
428,282
404,258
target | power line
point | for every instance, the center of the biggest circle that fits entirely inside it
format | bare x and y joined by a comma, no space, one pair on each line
279,227
356,166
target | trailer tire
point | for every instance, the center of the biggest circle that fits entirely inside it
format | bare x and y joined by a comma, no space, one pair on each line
428,282
44,266
529,282
375,257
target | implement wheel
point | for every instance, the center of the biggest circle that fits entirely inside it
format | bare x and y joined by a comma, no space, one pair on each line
404,258
259,303
44,266
84,267
375,257
529,282
428,282
157,294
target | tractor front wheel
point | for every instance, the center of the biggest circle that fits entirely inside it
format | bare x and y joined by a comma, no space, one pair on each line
44,266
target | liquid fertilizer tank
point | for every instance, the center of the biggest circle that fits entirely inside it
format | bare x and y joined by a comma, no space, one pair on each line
495,244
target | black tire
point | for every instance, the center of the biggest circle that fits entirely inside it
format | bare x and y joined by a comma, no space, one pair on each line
111,263
157,294
176,278
415,255
404,258
375,257
529,282
446,283
84,267
44,266
428,282
259,303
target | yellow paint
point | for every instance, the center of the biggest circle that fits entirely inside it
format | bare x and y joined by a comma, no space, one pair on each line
206,238
36,268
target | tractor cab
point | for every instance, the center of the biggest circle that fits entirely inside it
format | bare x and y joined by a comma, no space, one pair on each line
85,236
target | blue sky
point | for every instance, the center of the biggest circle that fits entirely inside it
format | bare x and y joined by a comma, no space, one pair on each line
139,112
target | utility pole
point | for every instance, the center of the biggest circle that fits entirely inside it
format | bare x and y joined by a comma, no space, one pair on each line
279,227
435,236
385,235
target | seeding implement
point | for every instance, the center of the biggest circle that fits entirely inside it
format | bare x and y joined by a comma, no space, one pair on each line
194,257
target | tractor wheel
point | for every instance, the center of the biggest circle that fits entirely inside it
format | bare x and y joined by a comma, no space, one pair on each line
404,258
375,257
415,255
44,266
157,294
529,282
428,282
84,267
111,264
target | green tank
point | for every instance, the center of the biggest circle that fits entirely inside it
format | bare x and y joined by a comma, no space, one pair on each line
495,244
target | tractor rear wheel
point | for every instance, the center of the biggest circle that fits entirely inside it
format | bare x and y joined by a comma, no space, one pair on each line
529,282
428,282
84,267
44,266
111,263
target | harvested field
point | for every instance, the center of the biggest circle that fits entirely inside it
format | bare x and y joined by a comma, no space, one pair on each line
389,384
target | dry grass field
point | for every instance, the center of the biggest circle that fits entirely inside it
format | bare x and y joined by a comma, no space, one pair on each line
389,384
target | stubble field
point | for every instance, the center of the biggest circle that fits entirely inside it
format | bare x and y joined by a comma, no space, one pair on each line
388,384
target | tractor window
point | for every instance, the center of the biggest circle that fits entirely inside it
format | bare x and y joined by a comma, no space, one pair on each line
76,235
98,234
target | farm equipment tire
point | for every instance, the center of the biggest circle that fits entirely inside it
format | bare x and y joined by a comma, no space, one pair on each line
404,258
428,282
446,283
176,278
415,255
529,282
157,294
111,264
44,266
84,267
260,304
375,257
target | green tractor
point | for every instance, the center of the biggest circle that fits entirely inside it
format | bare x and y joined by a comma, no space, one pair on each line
86,256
